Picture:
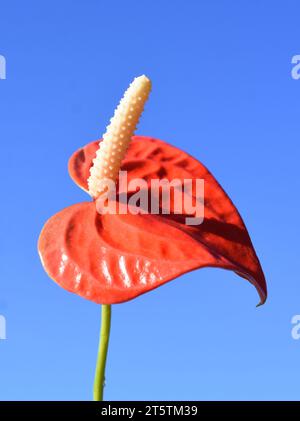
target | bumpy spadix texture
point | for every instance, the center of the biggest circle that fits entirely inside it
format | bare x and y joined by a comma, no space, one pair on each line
115,142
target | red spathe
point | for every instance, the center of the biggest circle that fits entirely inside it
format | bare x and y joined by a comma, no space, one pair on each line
114,258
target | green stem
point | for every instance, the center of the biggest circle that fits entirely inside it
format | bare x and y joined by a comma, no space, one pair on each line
102,352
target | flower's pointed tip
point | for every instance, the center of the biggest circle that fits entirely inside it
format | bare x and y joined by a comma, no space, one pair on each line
263,299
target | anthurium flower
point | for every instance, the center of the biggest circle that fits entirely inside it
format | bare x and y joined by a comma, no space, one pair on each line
112,258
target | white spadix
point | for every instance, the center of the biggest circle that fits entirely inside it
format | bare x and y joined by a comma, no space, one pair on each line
116,139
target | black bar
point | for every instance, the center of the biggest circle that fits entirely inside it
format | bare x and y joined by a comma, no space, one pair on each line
133,410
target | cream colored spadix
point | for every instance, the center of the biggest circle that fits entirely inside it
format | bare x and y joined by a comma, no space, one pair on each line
116,140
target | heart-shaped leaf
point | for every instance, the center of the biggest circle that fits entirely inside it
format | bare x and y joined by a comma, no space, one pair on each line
114,258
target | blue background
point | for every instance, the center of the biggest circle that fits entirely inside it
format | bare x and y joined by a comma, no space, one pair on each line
222,90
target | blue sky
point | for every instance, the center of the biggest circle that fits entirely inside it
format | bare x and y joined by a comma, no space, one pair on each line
222,90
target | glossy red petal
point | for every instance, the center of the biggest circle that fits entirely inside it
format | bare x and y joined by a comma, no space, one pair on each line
114,258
